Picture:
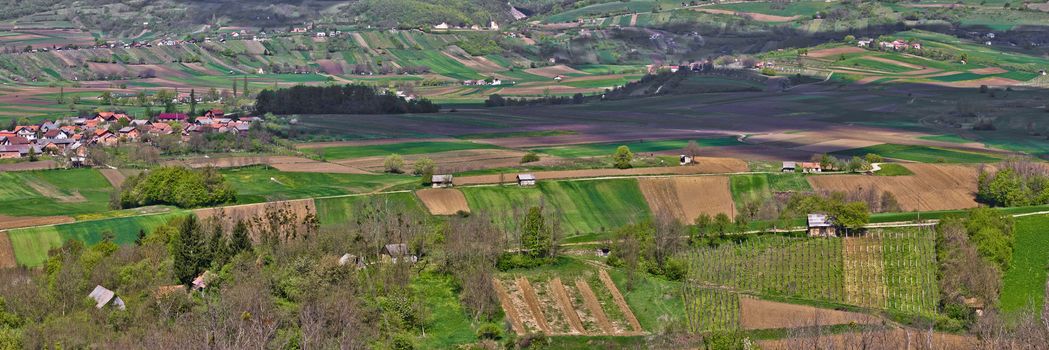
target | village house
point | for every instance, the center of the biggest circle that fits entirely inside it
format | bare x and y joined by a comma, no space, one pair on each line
129,133
160,129
103,297
172,117
441,181
821,225
811,167
392,252
525,180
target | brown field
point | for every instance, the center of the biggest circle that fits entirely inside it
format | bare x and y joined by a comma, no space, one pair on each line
864,271
231,162
835,51
229,216
705,166
932,187
114,176
837,145
763,314
532,301
443,201
685,198
988,70
9,222
893,62
553,71
620,302
904,339
478,64
24,166
330,67
594,306
7,252
454,161
317,167
313,145
760,17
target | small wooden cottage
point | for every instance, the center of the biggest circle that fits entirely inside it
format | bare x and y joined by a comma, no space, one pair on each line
103,297
526,180
821,225
441,181
789,167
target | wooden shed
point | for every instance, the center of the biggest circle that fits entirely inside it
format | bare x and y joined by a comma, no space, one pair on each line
821,225
526,180
441,181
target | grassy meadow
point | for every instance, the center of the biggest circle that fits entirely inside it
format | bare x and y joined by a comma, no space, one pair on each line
31,244
53,192
263,184
1024,282
640,146
404,148
921,154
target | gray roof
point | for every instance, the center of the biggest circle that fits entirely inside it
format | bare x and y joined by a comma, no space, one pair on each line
103,296
441,178
396,250
790,165
522,177
819,220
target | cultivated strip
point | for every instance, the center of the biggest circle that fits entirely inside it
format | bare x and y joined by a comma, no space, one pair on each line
629,315
533,304
7,252
508,307
558,291
595,307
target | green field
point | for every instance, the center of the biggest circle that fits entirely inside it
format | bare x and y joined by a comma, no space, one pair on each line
262,183
65,192
640,146
946,138
760,187
31,244
893,169
614,7
1024,282
799,8
404,148
922,154
340,211
583,207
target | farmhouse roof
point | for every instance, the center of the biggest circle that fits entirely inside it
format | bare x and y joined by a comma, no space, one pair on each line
172,116
103,296
441,179
790,165
17,140
52,133
810,165
820,220
525,177
396,249
126,129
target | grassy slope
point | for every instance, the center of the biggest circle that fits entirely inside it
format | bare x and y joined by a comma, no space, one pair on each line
347,152
31,244
258,184
759,187
335,212
919,154
1025,280
17,198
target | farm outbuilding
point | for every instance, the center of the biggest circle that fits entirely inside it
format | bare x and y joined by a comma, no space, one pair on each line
685,160
526,180
821,225
441,181
789,167
394,251
104,296
347,259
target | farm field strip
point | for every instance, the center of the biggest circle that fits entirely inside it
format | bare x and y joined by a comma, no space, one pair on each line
508,307
932,187
686,198
1025,281
565,303
590,300
447,201
706,166
864,271
764,314
532,301
7,252
620,302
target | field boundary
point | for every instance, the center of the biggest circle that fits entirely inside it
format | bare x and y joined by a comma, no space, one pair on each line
590,299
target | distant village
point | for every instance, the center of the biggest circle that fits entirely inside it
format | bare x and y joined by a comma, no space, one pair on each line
68,137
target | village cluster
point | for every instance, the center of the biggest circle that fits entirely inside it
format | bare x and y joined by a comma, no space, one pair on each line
69,136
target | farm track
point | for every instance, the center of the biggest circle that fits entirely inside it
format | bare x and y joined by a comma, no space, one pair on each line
557,289
532,300
620,301
7,252
595,307
508,307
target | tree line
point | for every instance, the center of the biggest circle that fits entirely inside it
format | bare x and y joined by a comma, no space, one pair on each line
336,99
174,185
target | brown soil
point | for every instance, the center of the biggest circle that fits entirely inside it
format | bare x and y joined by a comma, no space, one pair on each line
685,198
229,216
557,289
443,201
553,71
50,191
9,222
705,166
478,64
317,167
7,252
893,62
835,51
330,67
864,272
633,20
620,301
231,162
114,176
932,187
508,307
763,314
837,145
988,70
533,304
904,339
41,165
595,307
760,17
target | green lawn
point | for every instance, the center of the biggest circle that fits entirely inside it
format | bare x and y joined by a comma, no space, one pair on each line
404,148
31,244
893,169
582,206
262,183
66,192
640,146
1025,280
339,211
922,154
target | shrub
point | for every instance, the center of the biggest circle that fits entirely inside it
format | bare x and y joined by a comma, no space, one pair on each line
489,331
175,185
530,157
622,157
393,164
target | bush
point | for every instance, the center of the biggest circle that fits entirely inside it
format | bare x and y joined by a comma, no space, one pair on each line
178,186
489,331
622,157
510,261
530,157
393,164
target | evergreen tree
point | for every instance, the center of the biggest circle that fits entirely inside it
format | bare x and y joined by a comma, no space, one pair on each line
192,102
234,87
536,236
245,89
190,251
217,247
239,240
141,237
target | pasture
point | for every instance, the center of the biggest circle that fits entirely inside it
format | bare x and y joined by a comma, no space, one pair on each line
53,192
921,154
404,148
1024,282
639,146
263,183
31,244
338,212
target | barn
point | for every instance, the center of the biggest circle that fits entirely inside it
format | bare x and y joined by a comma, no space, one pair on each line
821,225
526,180
441,181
